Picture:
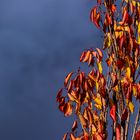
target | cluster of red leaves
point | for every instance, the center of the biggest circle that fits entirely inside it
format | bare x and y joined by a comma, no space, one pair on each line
84,93
90,95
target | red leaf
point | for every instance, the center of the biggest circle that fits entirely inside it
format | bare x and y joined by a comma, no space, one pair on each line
67,78
113,113
84,137
108,18
125,17
61,106
137,135
59,95
124,114
118,132
95,17
120,63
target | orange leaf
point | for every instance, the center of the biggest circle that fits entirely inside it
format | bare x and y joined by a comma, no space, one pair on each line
90,117
100,53
67,109
72,98
99,137
65,136
85,114
128,72
87,55
72,137
67,78
113,8
82,56
82,120
95,17
113,113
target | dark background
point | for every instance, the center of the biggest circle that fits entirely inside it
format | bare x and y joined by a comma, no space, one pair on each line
40,42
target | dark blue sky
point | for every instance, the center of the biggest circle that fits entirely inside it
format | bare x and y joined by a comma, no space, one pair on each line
40,42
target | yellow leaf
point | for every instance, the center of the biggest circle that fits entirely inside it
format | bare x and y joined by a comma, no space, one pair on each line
100,67
94,129
130,106
72,98
107,41
128,72
98,106
98,103
97,86
116,88
135,91
134,2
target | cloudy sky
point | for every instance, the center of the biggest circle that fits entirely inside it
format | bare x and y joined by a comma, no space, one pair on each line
40,42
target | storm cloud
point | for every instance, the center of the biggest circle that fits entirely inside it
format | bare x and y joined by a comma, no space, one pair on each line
40,42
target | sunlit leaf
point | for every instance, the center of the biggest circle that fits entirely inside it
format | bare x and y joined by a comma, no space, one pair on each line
128,72
82,120
67,109
107,41
67,78
130,106
100,67
95,17
65,136
99,52
87,55
72,98
72,137
98,103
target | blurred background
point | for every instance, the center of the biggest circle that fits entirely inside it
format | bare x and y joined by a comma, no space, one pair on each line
40,42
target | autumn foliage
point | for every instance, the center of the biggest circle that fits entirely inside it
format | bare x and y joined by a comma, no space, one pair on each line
106,100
